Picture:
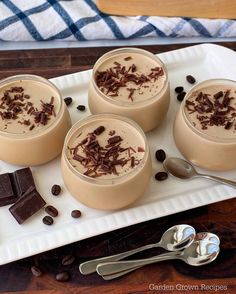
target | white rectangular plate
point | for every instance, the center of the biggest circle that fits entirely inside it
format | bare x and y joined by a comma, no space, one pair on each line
162,198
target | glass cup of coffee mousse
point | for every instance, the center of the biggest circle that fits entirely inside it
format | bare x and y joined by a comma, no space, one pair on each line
34,120
106,161
205,125
133,83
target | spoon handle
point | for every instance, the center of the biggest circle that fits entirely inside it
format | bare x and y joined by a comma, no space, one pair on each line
120,274
89,267
111,268
219,180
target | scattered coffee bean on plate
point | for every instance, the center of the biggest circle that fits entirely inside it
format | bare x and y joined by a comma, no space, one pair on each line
81,107
160,155
180,96
161,176
68,260
179,89
190,79
51,210
56,190
62,277
68,100
36,271
48,220
76,213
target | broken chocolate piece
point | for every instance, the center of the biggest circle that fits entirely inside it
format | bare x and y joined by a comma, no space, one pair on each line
14,185
27,205
7,195
22,180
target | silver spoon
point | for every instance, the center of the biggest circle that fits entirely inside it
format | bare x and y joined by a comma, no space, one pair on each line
183,169
200,252
175,238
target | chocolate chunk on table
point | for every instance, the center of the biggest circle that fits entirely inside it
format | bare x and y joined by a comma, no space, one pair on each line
14,185
7,195
27,205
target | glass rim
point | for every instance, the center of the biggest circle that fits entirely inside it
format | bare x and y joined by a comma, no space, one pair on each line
42,80
194,129
109,54
102,181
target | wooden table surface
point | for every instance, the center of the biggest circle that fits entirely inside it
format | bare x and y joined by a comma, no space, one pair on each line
219,218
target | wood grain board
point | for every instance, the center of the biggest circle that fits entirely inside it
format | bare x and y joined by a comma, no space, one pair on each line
184,8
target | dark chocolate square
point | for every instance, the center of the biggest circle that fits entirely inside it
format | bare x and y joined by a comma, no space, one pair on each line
27,205
7,195
22,180
14,185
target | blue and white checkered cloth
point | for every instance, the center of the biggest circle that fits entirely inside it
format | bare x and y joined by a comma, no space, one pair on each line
73,20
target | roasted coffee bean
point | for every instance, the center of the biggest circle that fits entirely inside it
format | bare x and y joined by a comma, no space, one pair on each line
48,220
62,277
68,260
36,271
160,155
81,107
179,89
76,213
161,176
190,79
51,210
56,190
180,96
99,130
68,100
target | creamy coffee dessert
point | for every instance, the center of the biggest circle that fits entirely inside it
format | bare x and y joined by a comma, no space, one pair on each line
130,77
212,111
106,162
133,83
205,127
33,120
27,106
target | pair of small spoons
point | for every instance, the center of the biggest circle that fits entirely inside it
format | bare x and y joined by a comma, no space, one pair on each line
182,240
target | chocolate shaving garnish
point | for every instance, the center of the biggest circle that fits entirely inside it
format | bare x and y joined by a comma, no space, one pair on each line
131,90
32,127
212,109
99,130
228,125
112,79
14,104
112,133
218,94
117,64
132,161
84,141
127,58
140,149
133,68
114,140
79,158
26,122
99,160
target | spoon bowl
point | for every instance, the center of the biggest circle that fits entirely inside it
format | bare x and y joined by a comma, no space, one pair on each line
183,169
200,253
179,168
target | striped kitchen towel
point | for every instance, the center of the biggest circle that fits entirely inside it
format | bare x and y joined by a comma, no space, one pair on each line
73,20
